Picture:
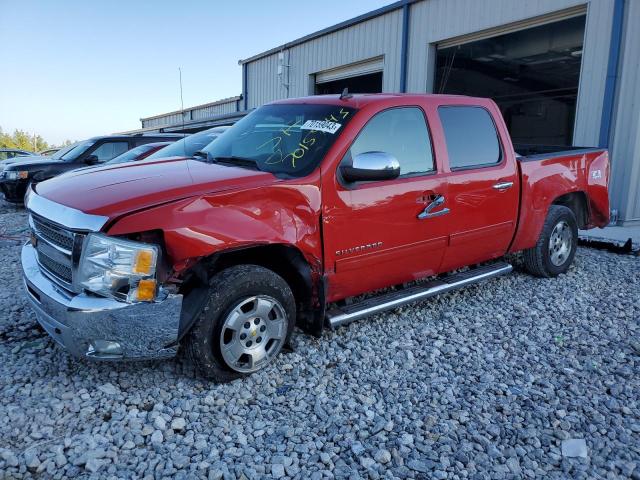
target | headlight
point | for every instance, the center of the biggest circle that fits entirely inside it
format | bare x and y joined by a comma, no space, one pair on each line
118,268
16,175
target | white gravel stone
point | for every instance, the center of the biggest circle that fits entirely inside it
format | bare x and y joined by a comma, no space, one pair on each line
94,464
10,459
277,470
575,447
500,379
157,437
108,389
178,424
160,423
382,456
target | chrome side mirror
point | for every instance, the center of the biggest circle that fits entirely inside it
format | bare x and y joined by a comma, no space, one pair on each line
370,166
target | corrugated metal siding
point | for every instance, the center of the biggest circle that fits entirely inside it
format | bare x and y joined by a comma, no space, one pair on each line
213,110
593,74
372,38
200,112
160,121
625,149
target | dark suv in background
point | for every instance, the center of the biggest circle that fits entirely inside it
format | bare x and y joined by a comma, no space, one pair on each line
18,173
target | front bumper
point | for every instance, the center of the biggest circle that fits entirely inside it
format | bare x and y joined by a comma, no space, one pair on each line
85,324
14,190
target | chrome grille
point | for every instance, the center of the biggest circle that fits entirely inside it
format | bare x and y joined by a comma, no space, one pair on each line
59,270
52,234
56,248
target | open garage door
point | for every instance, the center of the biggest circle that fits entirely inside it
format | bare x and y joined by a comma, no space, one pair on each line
532,74
361,77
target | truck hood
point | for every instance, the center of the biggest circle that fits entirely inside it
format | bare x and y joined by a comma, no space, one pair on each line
26,160
115,190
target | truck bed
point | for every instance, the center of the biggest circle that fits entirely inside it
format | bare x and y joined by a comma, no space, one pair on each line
551,174
527,152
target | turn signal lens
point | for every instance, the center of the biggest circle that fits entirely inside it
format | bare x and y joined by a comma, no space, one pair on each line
144,262
146,291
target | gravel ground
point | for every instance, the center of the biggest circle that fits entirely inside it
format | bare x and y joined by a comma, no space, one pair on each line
517,377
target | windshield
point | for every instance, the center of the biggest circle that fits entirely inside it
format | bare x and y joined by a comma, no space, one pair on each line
57,155
187,146
287,139
77,150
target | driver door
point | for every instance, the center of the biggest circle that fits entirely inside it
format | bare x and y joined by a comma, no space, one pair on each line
374,233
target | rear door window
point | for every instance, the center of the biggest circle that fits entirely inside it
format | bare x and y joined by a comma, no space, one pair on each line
471,137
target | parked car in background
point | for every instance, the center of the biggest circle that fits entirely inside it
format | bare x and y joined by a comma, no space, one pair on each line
48,152
8,153
97,150
191,144
301,204
32,157
138,153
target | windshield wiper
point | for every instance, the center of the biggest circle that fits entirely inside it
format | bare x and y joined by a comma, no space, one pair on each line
237,161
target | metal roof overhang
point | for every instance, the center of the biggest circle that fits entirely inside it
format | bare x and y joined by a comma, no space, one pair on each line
193,126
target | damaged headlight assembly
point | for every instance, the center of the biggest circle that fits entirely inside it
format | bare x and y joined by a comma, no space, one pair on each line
119,268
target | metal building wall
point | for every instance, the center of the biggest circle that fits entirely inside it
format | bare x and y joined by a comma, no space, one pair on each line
219,108
372,38
208,110
625,147
432,21
167,119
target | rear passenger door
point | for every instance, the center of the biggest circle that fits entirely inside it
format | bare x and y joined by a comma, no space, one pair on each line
483,186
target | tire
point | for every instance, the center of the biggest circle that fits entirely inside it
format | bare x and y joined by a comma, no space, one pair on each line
556,246
248,307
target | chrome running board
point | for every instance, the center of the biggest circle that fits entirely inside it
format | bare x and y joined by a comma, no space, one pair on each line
339,316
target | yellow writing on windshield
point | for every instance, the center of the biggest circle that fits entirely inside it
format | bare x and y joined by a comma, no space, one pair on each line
291,155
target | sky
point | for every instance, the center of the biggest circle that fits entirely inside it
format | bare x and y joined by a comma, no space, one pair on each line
75,69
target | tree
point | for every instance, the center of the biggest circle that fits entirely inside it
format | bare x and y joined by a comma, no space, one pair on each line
23,141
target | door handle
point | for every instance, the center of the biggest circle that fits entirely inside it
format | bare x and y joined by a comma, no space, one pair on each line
435,203
503,186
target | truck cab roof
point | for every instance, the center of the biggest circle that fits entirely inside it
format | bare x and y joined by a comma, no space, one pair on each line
359,100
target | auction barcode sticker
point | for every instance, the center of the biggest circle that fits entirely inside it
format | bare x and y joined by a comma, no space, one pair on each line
321,126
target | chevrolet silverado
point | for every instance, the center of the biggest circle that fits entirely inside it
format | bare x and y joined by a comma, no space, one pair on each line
289,217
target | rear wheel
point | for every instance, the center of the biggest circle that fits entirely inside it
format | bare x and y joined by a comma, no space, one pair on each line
556,246
246,321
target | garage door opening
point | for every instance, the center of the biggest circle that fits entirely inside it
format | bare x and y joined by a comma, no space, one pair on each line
532,74
361,77
371,83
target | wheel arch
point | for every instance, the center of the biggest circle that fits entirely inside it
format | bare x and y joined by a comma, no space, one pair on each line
578,203
285,260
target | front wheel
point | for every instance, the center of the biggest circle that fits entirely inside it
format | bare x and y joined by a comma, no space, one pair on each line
556,246
248,318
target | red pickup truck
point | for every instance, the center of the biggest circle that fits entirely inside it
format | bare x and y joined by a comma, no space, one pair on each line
289,216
